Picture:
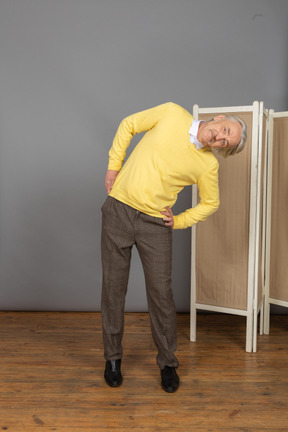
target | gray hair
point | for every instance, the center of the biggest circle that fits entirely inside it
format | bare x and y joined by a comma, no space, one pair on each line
225,152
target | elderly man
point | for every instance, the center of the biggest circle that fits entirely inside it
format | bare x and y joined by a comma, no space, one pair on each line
174,152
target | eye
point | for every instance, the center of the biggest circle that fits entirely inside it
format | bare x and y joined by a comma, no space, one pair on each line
224,142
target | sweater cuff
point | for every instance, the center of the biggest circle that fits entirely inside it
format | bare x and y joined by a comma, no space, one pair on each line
177,223
113,165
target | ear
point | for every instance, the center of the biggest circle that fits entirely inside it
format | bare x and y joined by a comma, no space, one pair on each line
219,117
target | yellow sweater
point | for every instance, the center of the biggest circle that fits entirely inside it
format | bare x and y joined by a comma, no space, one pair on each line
162,163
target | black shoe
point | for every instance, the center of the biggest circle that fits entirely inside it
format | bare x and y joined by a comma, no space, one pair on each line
170,379
112,373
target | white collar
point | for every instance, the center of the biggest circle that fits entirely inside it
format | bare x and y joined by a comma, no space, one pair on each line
193,131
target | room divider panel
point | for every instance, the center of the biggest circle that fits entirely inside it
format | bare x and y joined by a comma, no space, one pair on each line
226,255
276,280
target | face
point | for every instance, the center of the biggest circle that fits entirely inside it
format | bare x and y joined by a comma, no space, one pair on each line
220,133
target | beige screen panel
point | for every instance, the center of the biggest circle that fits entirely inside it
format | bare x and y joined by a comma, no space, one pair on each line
222,241
279,212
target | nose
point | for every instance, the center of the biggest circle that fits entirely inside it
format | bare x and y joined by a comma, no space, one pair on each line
219,136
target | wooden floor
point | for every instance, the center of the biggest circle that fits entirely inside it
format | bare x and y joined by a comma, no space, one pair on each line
51,369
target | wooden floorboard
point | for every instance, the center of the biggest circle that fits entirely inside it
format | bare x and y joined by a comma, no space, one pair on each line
51,376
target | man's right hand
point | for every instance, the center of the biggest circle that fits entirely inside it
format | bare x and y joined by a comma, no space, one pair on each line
110,179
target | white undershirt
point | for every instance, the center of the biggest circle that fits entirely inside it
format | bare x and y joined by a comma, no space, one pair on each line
193,131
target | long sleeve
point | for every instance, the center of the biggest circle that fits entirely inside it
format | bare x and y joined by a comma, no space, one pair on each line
130,126
209,200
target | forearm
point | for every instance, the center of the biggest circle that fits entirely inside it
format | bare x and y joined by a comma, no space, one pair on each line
193,215
120,144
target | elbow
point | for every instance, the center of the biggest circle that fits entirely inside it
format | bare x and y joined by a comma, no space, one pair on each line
213,206
216,205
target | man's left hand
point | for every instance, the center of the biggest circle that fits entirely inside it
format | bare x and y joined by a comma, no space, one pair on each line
168,219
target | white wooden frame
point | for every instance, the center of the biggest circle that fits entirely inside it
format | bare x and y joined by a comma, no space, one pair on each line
259,303
270,300
251,311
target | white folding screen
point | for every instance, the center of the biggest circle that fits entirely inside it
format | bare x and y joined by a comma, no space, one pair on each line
276,269
227,270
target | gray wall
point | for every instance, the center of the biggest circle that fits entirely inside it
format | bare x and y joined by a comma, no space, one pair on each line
70,70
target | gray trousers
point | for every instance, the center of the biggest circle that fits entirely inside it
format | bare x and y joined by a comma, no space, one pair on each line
123,227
